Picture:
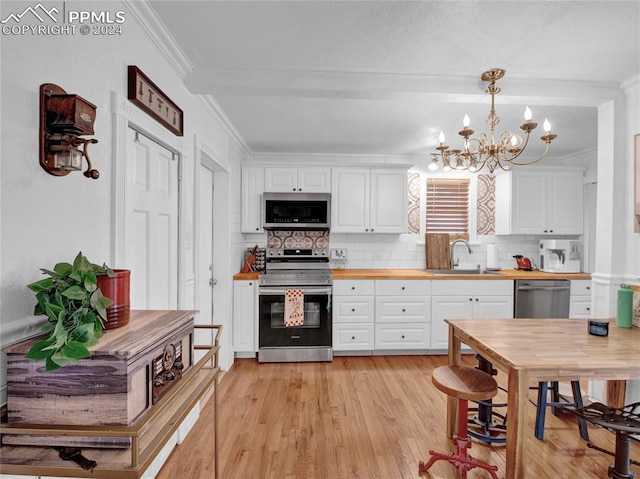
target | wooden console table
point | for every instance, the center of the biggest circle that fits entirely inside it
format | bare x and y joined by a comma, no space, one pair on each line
148,435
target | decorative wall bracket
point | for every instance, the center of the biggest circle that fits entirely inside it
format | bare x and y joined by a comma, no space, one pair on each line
64,119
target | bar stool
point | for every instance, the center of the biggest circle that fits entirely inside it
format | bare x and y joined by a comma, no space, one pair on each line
466,384
623,422
556,402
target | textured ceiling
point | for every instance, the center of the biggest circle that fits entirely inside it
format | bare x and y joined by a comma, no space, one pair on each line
383,77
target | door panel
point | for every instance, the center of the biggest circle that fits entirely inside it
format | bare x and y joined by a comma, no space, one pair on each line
151,234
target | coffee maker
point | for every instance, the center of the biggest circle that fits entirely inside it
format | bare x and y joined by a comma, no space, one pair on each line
559,256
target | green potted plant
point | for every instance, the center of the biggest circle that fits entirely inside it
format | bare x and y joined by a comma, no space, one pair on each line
76,308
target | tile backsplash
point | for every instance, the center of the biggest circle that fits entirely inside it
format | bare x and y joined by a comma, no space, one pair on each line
297,239
408,251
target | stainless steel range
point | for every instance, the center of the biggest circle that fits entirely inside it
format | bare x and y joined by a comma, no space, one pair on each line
288,270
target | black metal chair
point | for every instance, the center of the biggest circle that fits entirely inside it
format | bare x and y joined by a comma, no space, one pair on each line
624,422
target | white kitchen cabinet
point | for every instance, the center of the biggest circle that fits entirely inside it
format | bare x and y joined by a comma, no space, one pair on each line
369,200
402,314
245,314
580,299
467,299
252,187
540,201
307,179
353,315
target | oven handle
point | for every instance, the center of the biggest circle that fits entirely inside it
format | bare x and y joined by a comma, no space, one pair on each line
280,291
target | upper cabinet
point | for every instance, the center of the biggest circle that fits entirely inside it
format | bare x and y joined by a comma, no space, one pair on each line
540,202
306,180
369,200
252,188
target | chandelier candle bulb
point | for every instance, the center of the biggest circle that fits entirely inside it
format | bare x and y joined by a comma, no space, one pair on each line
466,121
527,114
547,126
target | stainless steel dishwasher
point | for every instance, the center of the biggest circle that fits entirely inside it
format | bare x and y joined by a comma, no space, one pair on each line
541,298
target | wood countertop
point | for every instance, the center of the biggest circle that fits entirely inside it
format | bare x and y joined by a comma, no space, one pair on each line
422,274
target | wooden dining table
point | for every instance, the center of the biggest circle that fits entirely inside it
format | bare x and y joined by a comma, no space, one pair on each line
532,350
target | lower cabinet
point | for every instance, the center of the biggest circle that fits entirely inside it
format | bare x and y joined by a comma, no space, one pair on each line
580,299
353,315
245,313
402,314
467,299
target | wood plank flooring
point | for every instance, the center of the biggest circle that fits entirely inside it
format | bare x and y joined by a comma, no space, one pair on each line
358,417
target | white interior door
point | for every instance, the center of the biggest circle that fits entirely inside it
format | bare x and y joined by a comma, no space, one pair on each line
205,269
151,233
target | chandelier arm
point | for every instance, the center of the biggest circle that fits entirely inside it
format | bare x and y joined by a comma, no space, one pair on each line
544,153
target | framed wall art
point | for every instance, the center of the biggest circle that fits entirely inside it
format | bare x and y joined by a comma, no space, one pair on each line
636,176
146,94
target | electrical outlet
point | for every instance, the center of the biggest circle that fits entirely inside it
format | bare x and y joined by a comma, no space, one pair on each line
339,254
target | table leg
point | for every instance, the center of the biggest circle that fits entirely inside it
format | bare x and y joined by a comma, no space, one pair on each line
452,403
616,390
518,392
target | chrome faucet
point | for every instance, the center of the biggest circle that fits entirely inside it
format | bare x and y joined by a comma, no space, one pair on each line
453,265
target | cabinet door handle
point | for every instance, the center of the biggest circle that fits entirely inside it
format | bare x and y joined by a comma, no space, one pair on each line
353,310
402,288
353,338
403,310
403,336
353,288
470,299
477,299
588,309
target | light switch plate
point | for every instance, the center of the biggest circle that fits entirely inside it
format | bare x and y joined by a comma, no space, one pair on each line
339,254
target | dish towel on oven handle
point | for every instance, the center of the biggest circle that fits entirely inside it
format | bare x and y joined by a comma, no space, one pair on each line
293,307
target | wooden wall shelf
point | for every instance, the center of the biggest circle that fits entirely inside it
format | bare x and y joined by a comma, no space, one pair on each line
148,434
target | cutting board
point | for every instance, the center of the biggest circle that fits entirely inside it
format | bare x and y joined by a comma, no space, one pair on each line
437,251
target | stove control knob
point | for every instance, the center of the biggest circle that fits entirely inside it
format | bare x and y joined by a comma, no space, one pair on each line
169,376
178,365
158,382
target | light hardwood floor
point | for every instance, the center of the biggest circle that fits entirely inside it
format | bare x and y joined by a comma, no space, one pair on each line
357,417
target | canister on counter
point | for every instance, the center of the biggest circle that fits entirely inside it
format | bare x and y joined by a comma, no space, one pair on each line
624,311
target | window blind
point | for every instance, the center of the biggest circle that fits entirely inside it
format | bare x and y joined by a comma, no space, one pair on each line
448,207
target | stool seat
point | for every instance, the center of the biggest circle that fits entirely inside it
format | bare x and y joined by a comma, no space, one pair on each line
464,382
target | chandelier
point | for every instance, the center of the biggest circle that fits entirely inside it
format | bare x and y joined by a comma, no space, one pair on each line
488,150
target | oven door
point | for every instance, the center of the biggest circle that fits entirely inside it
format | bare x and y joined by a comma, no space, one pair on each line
315,330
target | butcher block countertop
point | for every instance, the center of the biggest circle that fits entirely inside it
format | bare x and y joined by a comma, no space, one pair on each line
422,274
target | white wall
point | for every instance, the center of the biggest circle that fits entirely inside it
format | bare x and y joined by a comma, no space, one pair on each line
46,219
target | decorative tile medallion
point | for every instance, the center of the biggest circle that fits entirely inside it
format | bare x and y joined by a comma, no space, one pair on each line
414,202
486,213
297,239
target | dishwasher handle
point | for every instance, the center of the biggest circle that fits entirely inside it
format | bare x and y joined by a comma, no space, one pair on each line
543,288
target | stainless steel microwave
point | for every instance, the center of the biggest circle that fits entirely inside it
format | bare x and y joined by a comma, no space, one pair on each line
287,211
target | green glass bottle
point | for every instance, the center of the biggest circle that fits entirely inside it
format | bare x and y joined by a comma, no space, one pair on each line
624,312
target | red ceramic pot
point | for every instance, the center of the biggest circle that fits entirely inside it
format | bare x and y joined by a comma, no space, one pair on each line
117,290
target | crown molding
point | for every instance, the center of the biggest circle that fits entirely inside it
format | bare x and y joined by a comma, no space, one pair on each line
631,85
218,113
158,33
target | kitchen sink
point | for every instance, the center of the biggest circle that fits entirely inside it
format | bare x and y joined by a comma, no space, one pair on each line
460,271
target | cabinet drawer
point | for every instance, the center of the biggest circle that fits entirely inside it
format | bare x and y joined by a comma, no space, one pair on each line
580,308
398,287
472,287
581,287
402,336
353,309
353,287
352,337
411,309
